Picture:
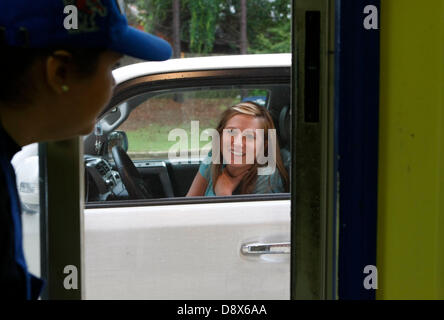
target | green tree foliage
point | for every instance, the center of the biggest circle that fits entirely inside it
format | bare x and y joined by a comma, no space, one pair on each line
213,26
269,29
202,27
276,40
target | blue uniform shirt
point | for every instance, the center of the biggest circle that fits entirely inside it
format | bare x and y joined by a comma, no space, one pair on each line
15,280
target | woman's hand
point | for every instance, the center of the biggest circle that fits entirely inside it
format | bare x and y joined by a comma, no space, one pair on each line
226,183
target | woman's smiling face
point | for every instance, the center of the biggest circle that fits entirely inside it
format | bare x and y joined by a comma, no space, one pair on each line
239,139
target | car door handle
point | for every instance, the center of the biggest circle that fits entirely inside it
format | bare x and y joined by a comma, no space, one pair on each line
266,248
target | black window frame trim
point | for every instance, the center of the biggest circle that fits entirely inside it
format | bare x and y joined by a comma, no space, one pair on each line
188,200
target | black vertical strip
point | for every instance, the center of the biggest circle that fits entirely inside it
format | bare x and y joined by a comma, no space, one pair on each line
60,217
43,218
312,65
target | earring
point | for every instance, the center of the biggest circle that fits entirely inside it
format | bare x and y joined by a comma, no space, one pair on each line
65,88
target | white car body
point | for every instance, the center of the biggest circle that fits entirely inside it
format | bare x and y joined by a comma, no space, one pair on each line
183,251
26,165
140,252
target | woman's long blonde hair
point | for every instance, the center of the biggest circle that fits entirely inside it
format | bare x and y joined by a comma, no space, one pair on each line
252,109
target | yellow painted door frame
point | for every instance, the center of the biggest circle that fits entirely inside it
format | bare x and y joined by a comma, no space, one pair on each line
410,247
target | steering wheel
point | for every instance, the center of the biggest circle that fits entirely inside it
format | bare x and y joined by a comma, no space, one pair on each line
131,178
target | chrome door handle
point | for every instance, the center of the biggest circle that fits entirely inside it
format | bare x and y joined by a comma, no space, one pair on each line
266,248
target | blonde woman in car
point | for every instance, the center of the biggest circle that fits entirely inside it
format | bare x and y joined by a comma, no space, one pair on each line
249,162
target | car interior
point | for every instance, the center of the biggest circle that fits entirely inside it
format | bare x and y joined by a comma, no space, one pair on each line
110,174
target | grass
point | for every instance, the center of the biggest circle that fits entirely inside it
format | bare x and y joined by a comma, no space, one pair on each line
154,138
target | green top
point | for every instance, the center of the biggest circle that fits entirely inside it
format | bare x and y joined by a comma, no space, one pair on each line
264,184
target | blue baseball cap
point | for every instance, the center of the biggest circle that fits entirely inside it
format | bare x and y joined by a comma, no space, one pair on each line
77,24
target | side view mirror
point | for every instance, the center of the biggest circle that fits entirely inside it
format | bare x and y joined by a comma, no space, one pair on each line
116,138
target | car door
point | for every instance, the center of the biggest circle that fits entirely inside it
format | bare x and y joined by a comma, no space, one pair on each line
173,247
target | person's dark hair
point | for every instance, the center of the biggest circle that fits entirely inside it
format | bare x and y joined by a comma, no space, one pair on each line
15,63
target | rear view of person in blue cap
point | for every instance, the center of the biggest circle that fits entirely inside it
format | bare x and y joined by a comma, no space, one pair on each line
55,80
